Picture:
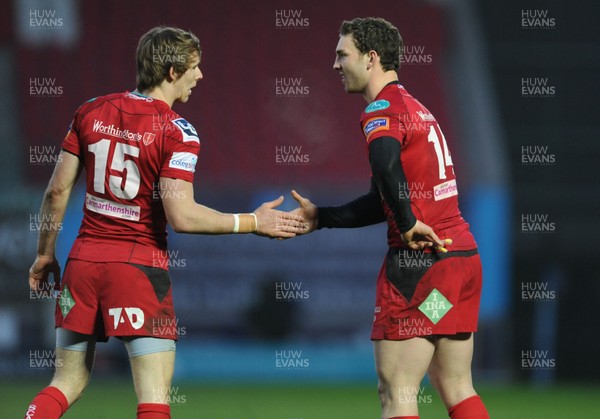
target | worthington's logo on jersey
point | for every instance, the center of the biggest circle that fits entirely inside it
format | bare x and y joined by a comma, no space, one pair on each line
114,131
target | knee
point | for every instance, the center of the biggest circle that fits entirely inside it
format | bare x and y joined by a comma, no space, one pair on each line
383,392
397,392
452,388
386,382
452,382
72,387
385,387
77,392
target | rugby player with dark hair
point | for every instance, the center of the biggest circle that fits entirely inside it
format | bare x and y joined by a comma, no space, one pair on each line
427,299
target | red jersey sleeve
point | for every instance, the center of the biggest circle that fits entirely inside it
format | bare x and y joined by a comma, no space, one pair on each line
383,119
182,147
71,141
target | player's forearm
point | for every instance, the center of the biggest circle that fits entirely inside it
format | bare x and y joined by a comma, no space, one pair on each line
50,219
388,184
54,203
361,212
200,219
187,216
388,174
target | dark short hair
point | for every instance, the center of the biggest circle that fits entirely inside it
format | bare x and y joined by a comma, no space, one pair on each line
160,49
377,34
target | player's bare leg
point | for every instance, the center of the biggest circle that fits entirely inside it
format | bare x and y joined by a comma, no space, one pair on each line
401,366
73,372
450,368
450,372
74,362
152,375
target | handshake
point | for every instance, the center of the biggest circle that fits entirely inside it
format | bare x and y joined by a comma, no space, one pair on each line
284,225
304,219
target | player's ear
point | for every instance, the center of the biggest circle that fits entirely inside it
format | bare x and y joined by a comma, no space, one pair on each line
173,74
372,59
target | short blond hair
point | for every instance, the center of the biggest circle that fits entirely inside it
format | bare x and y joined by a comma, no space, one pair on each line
160,49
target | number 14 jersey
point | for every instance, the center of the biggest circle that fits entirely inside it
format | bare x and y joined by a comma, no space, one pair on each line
126,143
431,183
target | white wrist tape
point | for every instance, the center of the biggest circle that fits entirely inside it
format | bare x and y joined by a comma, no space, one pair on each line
255,221
236,223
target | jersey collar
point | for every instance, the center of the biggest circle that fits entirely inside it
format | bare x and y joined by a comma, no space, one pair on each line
135,92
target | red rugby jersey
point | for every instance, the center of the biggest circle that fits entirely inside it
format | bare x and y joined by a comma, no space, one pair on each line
426,162
126,142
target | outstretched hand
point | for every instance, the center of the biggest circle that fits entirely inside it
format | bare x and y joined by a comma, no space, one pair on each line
278,224
40,270
308,211
421,236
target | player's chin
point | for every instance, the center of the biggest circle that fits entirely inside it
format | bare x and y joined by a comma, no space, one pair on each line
350,89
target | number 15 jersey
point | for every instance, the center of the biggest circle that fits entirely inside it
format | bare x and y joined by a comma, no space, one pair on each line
431,183
126,143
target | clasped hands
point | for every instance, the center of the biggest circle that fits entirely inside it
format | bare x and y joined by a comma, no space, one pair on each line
304,219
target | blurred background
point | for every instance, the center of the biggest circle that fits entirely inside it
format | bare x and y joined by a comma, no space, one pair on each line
514,87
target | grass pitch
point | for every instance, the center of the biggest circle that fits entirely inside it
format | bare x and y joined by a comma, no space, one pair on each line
115,399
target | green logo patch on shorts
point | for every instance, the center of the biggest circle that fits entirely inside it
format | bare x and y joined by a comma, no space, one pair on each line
435,306
65,301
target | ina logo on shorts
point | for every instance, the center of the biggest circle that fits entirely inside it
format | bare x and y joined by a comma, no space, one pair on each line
435,306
